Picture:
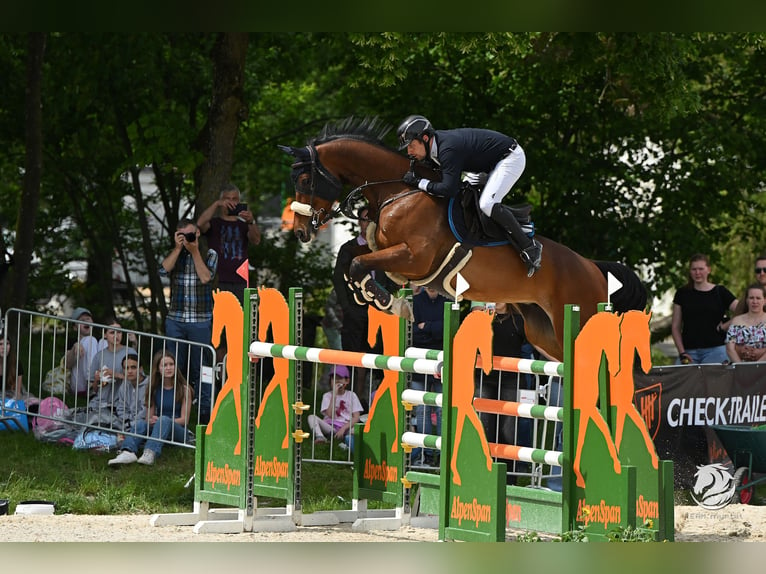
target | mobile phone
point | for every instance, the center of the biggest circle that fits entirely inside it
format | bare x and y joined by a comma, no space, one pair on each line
238,209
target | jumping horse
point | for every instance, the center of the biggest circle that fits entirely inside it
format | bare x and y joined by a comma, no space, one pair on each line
411,238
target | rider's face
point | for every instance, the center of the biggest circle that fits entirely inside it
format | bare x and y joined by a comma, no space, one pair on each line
416,150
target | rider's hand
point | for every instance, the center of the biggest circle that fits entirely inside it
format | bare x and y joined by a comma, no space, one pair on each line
411,179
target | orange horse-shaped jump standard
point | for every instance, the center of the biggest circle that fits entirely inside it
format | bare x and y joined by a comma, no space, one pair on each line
412,237
634,336
389,327
227,312
474,334
273,311
598,338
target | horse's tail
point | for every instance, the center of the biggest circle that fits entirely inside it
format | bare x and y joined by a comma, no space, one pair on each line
632,295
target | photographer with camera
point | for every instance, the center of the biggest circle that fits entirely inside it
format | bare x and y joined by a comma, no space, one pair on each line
191,305
229,233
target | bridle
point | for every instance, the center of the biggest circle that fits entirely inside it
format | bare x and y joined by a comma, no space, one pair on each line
325,185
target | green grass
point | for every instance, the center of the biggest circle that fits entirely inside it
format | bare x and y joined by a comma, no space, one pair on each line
81,482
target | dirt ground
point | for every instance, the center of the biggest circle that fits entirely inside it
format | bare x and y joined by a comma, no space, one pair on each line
734,523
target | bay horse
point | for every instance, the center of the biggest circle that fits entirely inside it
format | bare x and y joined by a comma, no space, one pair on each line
412,237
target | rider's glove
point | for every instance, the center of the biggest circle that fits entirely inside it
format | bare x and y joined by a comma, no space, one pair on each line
411,179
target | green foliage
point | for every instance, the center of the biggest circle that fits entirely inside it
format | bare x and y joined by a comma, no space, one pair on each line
643,147
576,535
284,263
630,534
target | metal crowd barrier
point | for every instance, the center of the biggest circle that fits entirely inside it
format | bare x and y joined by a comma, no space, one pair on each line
39,343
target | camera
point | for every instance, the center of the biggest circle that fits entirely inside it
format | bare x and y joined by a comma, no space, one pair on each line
238,209
191,237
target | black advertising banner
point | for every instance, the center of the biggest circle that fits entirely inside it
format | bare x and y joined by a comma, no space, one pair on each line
679,403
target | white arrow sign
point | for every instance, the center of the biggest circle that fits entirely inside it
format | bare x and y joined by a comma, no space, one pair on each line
461,285
612,284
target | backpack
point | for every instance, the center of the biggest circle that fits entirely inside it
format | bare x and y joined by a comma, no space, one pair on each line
50,407
57,379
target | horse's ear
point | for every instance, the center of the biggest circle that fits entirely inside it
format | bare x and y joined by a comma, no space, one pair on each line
288,149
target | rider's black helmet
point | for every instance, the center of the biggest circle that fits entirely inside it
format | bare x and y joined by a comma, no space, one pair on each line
413,127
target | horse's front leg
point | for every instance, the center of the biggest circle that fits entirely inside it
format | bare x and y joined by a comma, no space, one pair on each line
393,259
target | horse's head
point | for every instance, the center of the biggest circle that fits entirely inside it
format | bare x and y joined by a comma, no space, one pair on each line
341,154
316,190
635,334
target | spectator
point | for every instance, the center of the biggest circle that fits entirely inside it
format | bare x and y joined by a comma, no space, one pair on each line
229,232
130,402
190,317
746,337
106,377
699,316
106,366
508,340
427,333
169,401
332,322
340,410
355,318
760,277
80,356
11,375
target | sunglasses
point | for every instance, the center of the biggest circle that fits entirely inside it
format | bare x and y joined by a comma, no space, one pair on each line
759,270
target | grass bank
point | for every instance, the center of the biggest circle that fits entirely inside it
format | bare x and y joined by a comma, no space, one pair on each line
81,482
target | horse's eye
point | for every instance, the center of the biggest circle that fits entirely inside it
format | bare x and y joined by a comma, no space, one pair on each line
303,182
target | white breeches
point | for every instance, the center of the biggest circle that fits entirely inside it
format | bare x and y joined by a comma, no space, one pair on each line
501,179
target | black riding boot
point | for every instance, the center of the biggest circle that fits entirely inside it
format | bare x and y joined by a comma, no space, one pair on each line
530,250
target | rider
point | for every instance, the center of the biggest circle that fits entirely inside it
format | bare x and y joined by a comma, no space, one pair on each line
472,150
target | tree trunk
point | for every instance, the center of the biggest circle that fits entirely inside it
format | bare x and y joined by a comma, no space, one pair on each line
227,110
30,194
157,304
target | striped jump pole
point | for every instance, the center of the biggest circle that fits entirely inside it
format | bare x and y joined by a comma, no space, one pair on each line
506,364
416,439
526,454
493,406
515,409
348,358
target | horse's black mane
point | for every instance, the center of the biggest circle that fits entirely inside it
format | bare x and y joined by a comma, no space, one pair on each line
368,129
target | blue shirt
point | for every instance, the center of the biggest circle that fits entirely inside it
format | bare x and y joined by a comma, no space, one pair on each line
166,404
431,312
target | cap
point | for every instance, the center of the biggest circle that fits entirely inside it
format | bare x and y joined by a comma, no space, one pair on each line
341,371
79,312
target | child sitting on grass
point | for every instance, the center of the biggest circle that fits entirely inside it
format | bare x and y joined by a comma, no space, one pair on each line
340,409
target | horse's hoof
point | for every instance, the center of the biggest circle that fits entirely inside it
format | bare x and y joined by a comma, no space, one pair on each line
359,300
401,308
385,307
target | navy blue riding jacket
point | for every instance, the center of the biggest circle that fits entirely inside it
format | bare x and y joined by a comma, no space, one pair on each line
466,149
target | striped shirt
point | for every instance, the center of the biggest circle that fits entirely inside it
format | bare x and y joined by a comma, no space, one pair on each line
191,301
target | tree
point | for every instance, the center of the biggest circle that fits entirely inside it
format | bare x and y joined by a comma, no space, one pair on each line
27,215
